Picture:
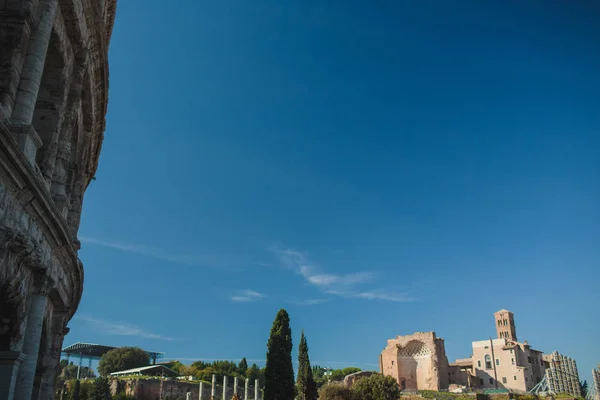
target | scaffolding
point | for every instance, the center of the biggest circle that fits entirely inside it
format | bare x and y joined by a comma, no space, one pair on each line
561,377
594,390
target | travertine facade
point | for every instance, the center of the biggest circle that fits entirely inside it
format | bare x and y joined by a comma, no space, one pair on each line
417,361
53,99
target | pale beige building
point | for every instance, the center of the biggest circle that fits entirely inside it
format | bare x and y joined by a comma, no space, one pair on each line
502,363
417,361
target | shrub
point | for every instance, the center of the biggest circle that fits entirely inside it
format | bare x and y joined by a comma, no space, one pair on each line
376,387
335,391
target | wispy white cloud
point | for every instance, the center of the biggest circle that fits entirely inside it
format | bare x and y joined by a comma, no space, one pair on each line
246,296
119,329
343,285
308,302
159,254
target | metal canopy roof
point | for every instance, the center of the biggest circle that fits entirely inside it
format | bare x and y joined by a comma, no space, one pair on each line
96,351
149,370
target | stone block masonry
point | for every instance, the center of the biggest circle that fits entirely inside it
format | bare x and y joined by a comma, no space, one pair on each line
53,102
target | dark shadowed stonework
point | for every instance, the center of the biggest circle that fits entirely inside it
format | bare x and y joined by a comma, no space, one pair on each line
53,99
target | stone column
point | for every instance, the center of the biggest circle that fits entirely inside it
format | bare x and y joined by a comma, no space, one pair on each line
235,385
31,346
225,387
17,19
33,68
9,367
246,388
52,359
256,389
58,156
213,388
188,396
201,391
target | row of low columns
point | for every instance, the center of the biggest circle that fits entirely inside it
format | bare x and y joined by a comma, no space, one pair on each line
213,389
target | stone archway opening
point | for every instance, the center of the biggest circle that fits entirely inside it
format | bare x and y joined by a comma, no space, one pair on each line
9,317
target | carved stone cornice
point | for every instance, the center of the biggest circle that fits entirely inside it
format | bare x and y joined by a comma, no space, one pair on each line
19,174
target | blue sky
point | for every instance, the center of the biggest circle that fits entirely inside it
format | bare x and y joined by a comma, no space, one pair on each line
376,170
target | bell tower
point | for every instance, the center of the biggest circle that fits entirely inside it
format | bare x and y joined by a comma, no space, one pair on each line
505,325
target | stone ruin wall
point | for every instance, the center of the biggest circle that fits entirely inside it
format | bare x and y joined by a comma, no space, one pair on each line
53,101
150,389
417,361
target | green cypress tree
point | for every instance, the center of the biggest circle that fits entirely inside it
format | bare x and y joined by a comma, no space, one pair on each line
243,366
307,388
279,373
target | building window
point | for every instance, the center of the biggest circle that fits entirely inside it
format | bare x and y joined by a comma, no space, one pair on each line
512,361
392,362
529,359
511,351
488,362
503,379
491,381
481,381
478,363
526,379
505,322
499,322
497,361
515,377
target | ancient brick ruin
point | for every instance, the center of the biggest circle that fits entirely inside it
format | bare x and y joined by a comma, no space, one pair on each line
417,361
53,99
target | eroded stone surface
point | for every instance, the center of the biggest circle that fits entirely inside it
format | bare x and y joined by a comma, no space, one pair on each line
53,99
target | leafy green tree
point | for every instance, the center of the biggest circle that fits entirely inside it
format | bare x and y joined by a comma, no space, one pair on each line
242,366
254,373
100,389
200,365
176,366
279,373
307,388
336,391
340,374
75,391
376,387
207,373
121,359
